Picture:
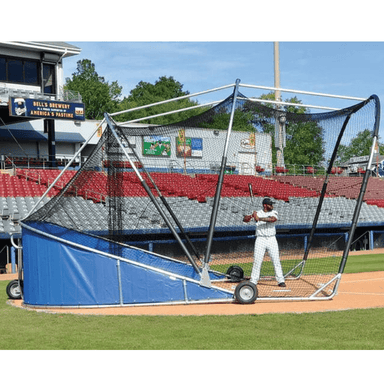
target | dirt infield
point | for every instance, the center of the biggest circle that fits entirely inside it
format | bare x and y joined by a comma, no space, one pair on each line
358,290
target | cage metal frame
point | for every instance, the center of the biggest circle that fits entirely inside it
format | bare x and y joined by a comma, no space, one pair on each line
203,272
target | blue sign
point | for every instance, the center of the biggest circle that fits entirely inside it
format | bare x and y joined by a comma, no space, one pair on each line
196,146
46,109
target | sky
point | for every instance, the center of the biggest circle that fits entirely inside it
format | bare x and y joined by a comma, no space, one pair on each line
339,68
329,47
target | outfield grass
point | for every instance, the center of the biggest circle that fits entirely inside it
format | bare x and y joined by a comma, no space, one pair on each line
355,264
365,263
344,330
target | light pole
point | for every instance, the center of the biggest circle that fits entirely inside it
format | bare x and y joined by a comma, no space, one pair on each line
280,118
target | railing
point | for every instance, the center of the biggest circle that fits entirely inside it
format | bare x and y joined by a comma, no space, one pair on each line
69,95
190,166
63,95
8,162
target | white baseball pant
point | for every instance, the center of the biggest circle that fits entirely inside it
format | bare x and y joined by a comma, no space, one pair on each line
262,244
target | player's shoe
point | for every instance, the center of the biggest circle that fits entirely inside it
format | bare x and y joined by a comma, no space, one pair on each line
281,285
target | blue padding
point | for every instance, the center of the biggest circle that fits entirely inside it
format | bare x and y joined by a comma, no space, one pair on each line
58,274
198,292
138,255
141,285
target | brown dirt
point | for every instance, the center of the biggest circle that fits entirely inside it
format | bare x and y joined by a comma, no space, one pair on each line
358,290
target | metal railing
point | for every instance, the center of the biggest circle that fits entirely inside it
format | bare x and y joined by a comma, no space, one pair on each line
25,161
62,95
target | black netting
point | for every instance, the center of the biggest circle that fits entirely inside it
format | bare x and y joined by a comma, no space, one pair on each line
153,187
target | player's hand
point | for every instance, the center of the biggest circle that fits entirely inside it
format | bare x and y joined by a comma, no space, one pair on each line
247,218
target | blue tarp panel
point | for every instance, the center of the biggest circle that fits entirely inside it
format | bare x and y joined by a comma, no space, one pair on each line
59,274
125,252
141,285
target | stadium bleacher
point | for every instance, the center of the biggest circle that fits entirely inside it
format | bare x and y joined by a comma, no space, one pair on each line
295,196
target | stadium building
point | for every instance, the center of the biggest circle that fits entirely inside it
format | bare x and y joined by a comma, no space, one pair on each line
41,125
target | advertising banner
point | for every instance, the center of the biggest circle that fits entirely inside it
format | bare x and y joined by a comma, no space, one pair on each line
46,109
156,146
190,147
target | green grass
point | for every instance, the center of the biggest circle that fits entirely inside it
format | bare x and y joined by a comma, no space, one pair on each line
344,330
364,263
355,264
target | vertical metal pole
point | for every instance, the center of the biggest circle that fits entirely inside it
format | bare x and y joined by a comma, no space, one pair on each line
121,299
279,140
13,260
220,183
371,241
49,125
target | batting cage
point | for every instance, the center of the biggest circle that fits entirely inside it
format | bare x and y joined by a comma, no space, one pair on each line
155,214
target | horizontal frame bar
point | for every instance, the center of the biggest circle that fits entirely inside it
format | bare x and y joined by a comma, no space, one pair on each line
303,92
229,86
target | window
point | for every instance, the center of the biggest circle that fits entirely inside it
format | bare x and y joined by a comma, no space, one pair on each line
49,78
15,70
31,73
3,69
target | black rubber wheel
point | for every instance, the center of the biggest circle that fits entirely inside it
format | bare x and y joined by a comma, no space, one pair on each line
235,273
246,292
13,290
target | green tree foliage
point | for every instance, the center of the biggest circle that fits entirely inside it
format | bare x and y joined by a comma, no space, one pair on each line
359,146
146,93
98,95
304,140
304,144
242,121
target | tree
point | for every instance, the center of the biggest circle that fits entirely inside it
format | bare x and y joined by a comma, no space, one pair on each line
359,146
146,93
304,139
98,95
242,121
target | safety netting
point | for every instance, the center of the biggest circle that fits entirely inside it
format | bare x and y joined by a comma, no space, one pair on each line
180,192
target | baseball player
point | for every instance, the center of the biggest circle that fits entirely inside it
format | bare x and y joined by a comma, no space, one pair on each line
265,241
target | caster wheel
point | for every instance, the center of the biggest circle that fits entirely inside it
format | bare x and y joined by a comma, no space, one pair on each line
13,290
246,292
235,273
